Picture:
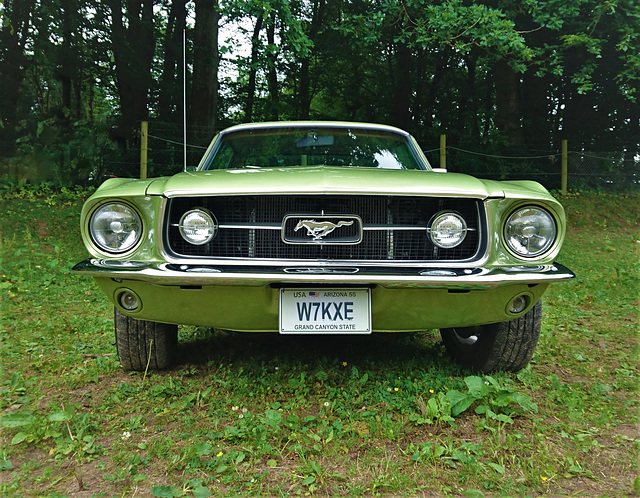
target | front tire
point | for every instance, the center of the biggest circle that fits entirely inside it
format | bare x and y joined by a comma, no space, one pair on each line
506,346
142,344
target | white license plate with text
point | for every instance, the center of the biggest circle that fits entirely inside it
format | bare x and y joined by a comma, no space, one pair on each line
325,311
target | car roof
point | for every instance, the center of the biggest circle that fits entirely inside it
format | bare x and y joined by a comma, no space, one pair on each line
315,124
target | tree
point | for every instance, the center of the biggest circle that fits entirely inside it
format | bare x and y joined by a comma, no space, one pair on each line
260,69
133,47
206,59
14,40
253,70
169,98
494,74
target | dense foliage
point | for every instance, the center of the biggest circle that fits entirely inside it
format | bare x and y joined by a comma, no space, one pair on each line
80,75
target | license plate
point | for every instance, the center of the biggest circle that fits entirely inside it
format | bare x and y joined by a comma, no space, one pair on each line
325,311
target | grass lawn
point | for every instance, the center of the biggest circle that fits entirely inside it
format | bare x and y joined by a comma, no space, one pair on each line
259,414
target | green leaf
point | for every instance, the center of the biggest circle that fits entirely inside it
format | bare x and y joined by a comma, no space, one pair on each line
201,491
19,437
40,128
459,401
476,386
438,450
506,419
308,481
203,449
321,375
473,493
165,491
239,458
497,467
16,420
484,409
525,402
61,416
273,418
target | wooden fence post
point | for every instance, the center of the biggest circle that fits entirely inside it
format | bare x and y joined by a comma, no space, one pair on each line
144,137
563,177
443,151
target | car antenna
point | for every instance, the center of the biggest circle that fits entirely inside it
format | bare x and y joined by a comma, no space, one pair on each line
184,97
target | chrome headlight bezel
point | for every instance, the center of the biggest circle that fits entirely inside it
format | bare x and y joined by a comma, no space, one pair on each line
115,227
447,229
208,225
530,231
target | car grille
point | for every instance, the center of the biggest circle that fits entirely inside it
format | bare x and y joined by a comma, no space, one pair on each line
389,228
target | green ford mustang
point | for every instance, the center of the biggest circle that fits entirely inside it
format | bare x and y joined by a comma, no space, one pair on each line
324,228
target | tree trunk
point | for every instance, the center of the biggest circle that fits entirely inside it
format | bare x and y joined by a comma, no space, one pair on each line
170,98
204,90
13,40
66,58
272,77
507,103
304,94
468,117
253,70
537,120
133,48
70,64
434,87
402,90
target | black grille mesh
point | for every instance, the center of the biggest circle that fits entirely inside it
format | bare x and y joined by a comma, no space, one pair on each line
387,244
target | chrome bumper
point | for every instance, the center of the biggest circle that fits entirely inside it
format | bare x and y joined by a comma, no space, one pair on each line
401,277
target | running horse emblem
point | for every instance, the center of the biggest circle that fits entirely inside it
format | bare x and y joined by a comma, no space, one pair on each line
320,229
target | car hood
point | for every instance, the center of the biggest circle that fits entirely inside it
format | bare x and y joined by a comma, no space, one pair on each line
323,180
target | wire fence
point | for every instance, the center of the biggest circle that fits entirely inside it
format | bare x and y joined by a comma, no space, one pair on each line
586,170
602,171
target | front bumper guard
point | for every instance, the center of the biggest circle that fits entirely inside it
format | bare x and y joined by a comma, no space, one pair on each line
400,277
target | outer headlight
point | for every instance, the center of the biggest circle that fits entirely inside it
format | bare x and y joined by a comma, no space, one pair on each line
198,226
447,230
530,231
115,227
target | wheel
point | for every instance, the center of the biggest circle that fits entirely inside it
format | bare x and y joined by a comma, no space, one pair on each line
142,344
506,346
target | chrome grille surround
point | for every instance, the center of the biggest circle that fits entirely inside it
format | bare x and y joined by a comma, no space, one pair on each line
393,228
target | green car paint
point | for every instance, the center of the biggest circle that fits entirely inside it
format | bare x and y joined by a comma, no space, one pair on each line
244,296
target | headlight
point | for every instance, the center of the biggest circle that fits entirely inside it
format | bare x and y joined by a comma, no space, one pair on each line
530,231
115,227
198,226
447,230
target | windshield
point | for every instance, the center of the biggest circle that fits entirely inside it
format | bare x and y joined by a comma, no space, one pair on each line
296,147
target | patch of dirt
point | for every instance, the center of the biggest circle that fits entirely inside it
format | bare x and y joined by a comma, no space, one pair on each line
42,231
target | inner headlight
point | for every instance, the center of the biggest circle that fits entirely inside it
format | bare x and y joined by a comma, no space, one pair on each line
115,227
447,230
198,226
530,231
